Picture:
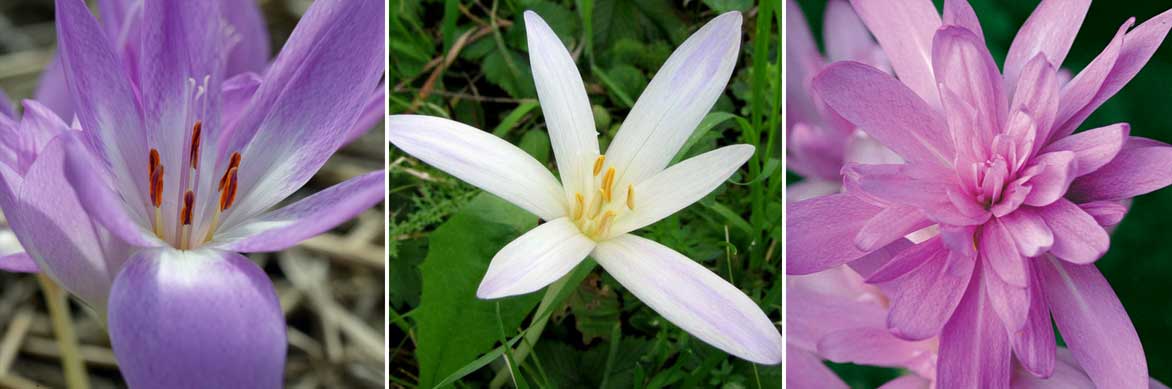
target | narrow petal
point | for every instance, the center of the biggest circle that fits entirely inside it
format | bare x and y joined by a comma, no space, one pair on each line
1093,148
822,230
1011,303
1029,231
1034,344
372,113
1086,84
805,370
905,29
960,13
18,263
681,185
1050,30
974,348
52,89
101,201
1094,324
536,259
1054,171
926,298
846,36
1077,237
802,62
692,297
1106,213
1142,166
868,346
313,215
678,97
564,104
6,107
480,159
906,261
888,226
250,52
887,110
965,67
196,318
1037,95
999,250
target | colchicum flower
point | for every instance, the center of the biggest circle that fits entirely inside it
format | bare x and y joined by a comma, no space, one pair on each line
141,208
1013,201
604,197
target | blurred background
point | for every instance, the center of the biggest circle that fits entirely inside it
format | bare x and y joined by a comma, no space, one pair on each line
331,287
1139,263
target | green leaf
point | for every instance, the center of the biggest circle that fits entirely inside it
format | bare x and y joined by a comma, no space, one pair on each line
453,325
729,5
596,309
496,70
513,117
536,143
711,120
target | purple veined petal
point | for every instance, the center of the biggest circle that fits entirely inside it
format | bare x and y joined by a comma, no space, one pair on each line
564,105
1066,375
810,188
821,232
534,260
113,121
1034,343
1086,84
846,36
1138,47
37,127
804,370
905,261
1094,324
236,92
1140,167
1011,303
1055,171
671,190
868,346
250,52
926,297
1029,231
815,152
999,250
100,201
887,110
320,212
960,13
891,224
1077,237
304,122
1106,213
867,265
904,28
1050,30
1093,148
964,66
677,98
372,113
1037,94
802,62
201,318
480,159
974,348
818,305
908,382
18,263
692,297
115,14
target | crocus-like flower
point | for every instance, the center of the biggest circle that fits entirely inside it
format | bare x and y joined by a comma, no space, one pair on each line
141,212
1015,202
12,256
604,197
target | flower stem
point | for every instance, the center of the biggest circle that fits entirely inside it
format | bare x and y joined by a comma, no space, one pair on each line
71,361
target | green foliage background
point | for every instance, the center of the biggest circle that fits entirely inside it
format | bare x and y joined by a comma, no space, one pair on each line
1139,263
443,232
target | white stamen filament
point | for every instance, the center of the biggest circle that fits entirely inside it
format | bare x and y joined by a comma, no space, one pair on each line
596,208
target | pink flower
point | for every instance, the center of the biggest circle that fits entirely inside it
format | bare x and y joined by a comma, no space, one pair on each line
1014,201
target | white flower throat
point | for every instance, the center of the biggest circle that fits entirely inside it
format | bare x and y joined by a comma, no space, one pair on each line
595,211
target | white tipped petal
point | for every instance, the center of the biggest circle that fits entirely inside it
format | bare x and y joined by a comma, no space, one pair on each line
480,159
534,260
681,185
692,297
677,98
564,104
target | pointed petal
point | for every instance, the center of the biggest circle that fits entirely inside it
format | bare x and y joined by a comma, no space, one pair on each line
1034,344
821,232
692,297
18,263
846,36
804,370
679,186
480,159
564,104
1077,237
802,62
101,201
1011,303
52,90
887,110
318,213
926,297
1054,172
965,67
372,113
675,101
889,225
1086,84
1142,166
201,318
1106,213
1050,30
1094,324
1093,148
974,348
251,51
960,13
534,260
1037,95
905,28
999,250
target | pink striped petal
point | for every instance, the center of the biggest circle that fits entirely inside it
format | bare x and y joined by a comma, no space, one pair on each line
1077,237
822,230
974,348
1092,148
1050,30
905,28
1142,166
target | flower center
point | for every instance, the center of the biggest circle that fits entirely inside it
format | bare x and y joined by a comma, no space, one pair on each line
227,191
595,211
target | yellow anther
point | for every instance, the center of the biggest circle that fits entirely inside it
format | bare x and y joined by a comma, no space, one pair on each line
608,184
579,206
595,205
630,196
598,164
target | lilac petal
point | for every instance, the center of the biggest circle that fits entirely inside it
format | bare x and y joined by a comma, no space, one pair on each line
1029,231
236,92
1054,172
18,263
816,303
905,29
868,346
802,62
822,231
100,200
1093,148
889,225
965,67
907,260
692,297
974,348
908,382
372,113
313,215
1034,343
1106,213
960,13
887,110
1037,94
534,260
1086,84
1142,166
1094,324
1050,30
251,50
926,297
1010,302
810,188
1078,238
867,265
1066,374
677,98
200,318
52,89
904,184
999,251
303,121
804,370
846,36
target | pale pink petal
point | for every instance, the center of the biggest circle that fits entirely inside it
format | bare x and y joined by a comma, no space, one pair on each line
1077,237
1034,343
1029,231
1037,94
999,250
1050,30
868,346
1053,173
1010,302
960,13
1092,148
1142,166
905,28
890,224
964,66
845,35
974,348
821,232
1106,213
804,370
926,297
908,382
1086,84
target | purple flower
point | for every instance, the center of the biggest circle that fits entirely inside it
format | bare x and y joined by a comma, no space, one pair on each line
174,170
602,198
1011,202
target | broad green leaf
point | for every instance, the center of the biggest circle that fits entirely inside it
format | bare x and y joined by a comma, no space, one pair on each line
729,5
596,309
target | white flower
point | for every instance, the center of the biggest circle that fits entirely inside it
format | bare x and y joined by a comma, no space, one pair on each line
602,198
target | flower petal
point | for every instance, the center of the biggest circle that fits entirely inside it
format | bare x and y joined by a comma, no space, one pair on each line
804,370
1094,324
480,159
1066,374
18,263
960,13
679,186
1011,303
101,202
251,51
564,104
1142,166
318,213
372,113
675,101
1054,172
887,110
822,230
1034,343
1086,84
534,260
802,61
891,224
905,29
200,318
1029,231
692,297
974,348
1093,148
846,35
965,67
1050,30
1106,213
999,251
1078,238
868,346
1037,96
925,298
